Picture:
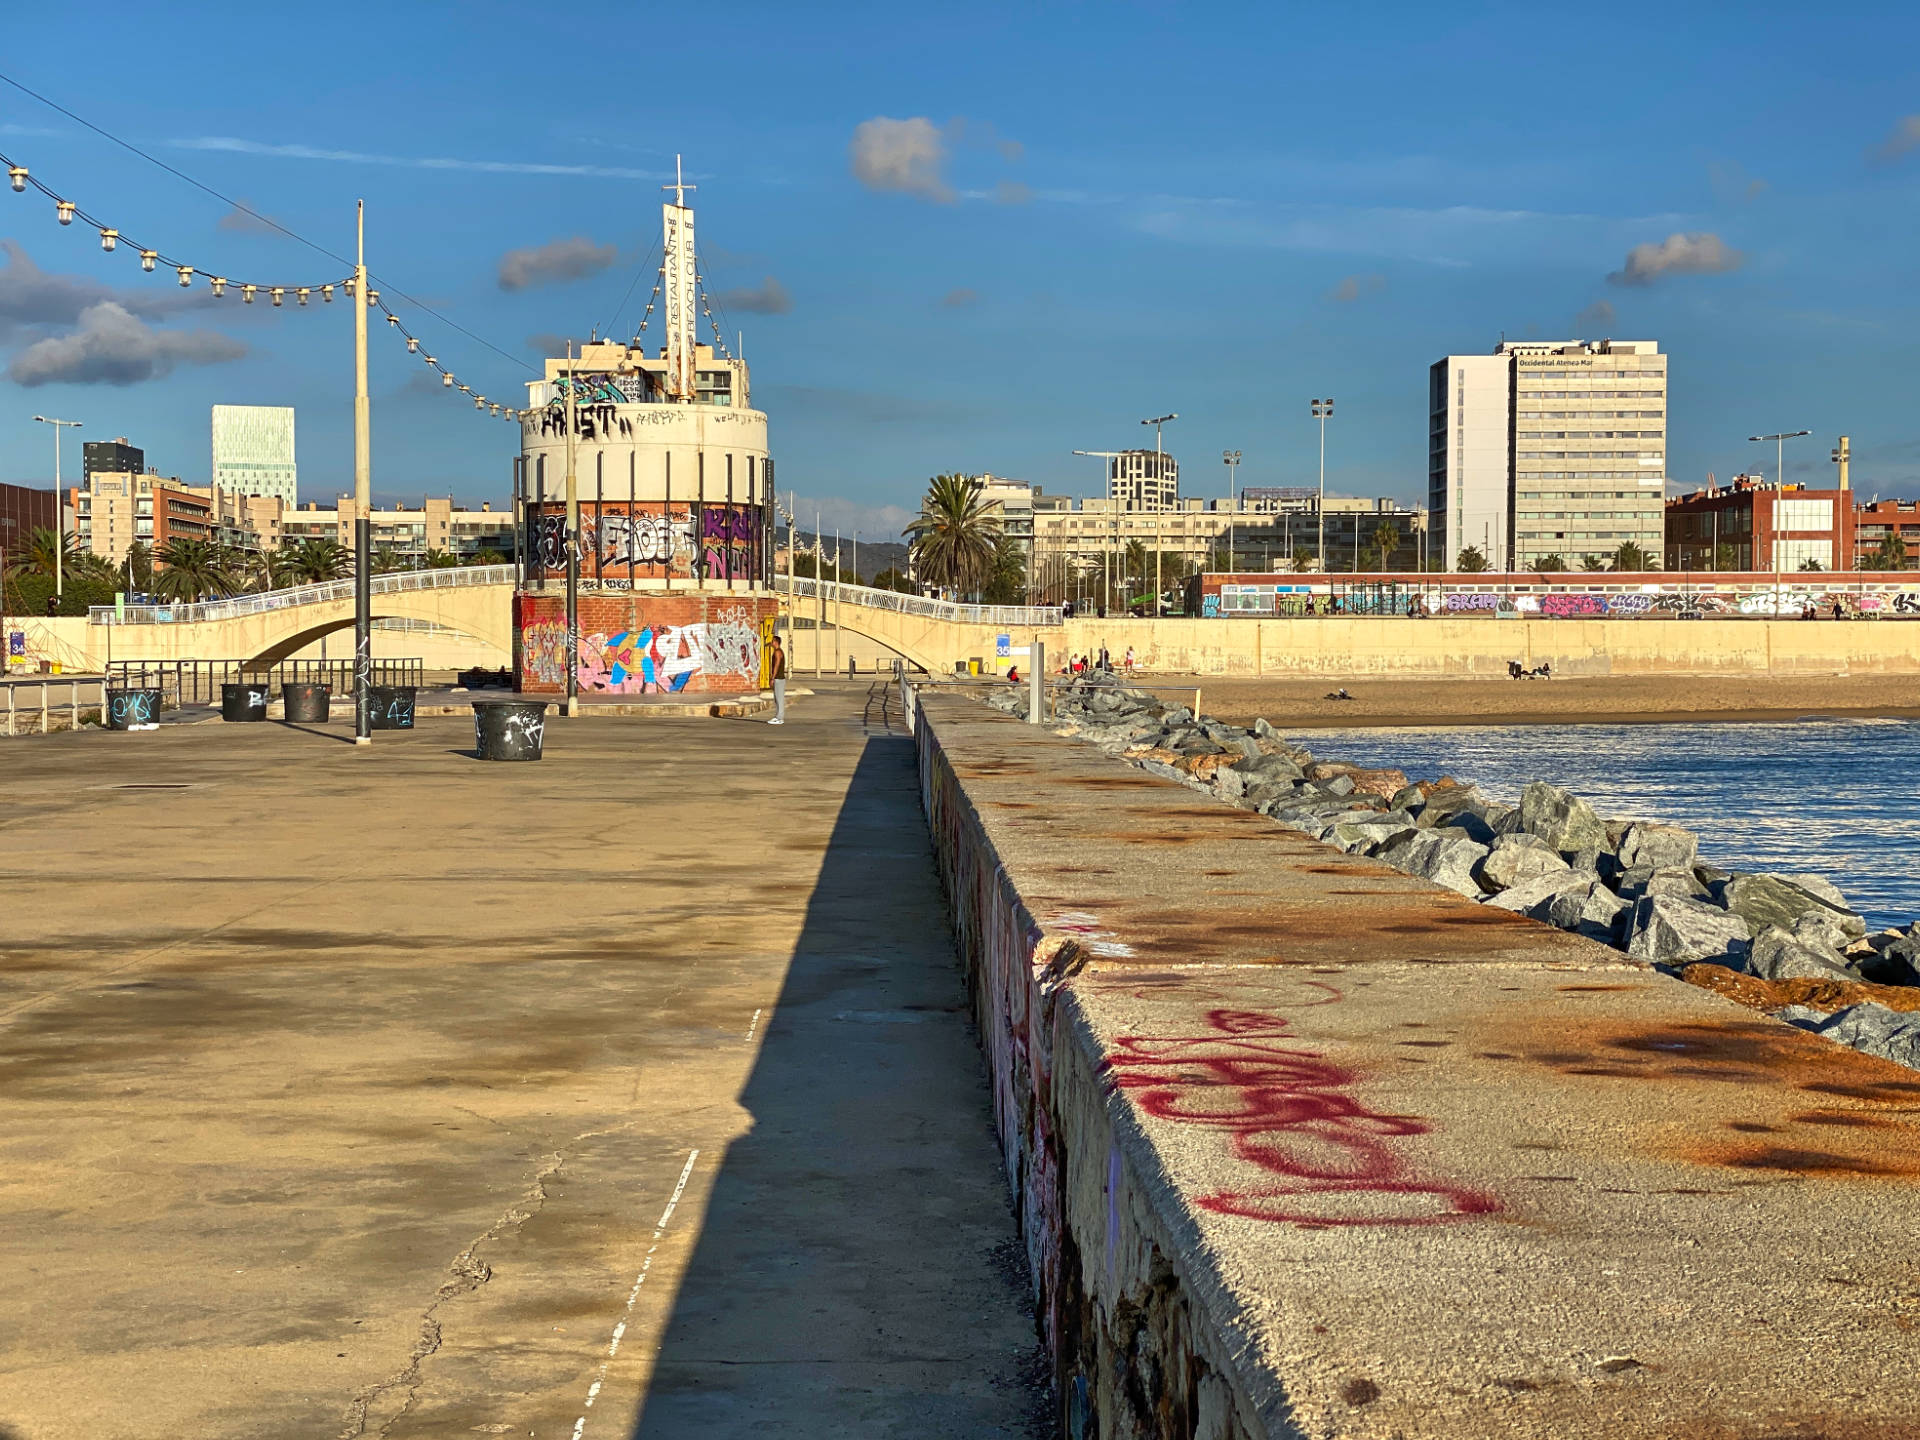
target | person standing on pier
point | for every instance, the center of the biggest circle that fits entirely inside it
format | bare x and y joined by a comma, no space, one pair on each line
777,672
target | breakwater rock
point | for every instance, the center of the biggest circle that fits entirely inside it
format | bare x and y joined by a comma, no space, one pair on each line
1637,885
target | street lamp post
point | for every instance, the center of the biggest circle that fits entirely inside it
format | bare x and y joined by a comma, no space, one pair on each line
1232,458
1158,467
1779,477
1323,411
59,503
362,496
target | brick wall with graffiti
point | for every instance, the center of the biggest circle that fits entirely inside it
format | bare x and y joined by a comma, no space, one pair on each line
645,644
648,541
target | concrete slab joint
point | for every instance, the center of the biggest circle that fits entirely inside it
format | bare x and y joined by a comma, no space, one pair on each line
1302,1145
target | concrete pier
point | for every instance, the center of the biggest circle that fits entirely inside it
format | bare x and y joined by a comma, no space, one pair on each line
1306,1146
384,1092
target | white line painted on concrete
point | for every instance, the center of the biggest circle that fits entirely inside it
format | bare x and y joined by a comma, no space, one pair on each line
646,1265
753,1025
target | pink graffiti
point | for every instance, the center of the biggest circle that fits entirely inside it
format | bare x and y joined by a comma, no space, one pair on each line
1292,1113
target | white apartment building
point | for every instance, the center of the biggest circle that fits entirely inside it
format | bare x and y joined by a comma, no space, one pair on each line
253,451
1548,448
1143,480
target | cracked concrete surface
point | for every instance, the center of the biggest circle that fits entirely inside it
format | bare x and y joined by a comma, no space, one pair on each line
343,1093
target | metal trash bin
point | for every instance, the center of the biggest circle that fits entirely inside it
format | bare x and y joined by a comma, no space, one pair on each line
244,700
509,729
133,706
306,704
390,707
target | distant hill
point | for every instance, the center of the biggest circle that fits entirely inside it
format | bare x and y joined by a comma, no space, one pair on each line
875,556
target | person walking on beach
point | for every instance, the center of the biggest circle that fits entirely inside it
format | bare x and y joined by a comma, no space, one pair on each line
1128,661
777,672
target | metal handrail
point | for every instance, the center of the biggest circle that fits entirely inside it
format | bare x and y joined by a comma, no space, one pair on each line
804,587
327,592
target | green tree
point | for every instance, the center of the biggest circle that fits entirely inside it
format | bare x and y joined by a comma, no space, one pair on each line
36,557
487,557
193,570
1471,561
1593,564
956,535
441,560
892,579
1007,585
1302,556
138,566
1548,564
1725,557
269,570
1386,540
389,561
1631,557
316,560
1889,554
1811,564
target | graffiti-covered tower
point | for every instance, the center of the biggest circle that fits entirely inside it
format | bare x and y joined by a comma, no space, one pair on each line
676,492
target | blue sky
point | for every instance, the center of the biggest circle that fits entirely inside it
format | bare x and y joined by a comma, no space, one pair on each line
1056,220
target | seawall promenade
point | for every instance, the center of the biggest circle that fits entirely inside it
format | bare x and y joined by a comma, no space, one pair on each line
1305,1146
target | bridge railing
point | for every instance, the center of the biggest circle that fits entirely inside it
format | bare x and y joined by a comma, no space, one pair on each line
802,587
327,592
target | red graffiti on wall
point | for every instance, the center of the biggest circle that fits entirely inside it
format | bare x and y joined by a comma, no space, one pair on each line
1292,1113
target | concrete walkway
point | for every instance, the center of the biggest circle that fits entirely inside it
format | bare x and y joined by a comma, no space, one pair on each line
382,1092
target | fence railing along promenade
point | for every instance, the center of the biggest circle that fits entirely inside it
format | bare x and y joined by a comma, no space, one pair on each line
327,592
803,588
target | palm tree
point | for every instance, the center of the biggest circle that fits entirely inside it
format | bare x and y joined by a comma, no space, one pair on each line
139,565
316,560
1386,539
194,569
1007,585
955,536
1889,554
1811,564
487,557
1593,564
1631,557
37,555
1471,561
268,569
1301,555
1548,564
441,560
387,561
1725,557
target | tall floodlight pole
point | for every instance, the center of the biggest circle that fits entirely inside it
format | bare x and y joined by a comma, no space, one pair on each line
573,554
1232,457
1323,411
59,501
1779,479
1159,480
362,496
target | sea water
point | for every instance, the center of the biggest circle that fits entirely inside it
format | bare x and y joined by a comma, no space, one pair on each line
1839,798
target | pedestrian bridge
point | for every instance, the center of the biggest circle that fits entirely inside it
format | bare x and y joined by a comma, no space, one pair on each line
477,602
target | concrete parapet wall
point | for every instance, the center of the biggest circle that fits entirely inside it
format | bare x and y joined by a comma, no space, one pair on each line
1303,1146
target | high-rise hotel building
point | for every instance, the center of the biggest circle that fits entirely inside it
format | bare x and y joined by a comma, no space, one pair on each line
1548,448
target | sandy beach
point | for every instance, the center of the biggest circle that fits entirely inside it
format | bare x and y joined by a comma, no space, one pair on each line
1496,700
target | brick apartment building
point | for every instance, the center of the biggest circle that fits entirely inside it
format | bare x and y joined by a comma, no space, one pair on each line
23,510
1748,525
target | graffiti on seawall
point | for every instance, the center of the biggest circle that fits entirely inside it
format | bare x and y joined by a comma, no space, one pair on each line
1318,1154
650,659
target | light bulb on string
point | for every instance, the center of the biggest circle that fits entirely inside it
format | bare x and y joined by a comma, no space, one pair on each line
447,379
431,361
147,257
479,403
373,298
186,275
64,209
219,284
413,346
18,175
279,293
246,293
393,320
300,295
346,288
326,293
108,239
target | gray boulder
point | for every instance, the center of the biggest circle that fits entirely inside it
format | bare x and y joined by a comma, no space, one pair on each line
1777,954
1336,785
1229,783
1444,859
1264,730
1669,880
1763,900
1563,820
1513,858
1672,930
1471,825
1891,1034
1269,767
1657,847
1368,835
1533,894
1897,963
1826,929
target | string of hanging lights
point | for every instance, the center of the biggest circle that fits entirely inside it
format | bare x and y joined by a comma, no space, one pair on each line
67,211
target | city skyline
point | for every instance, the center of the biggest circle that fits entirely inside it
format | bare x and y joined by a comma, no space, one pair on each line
941,264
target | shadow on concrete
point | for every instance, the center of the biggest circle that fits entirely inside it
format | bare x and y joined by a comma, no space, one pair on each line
346,739
858,1271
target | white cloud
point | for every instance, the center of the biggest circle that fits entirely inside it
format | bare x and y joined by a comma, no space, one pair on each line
113,346
233,145
1699,253
906,156
30,296
770,297
1904,137
555,263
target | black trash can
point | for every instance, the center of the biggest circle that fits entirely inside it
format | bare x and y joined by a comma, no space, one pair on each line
244,700
509,729
130,707
306,704
390,707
